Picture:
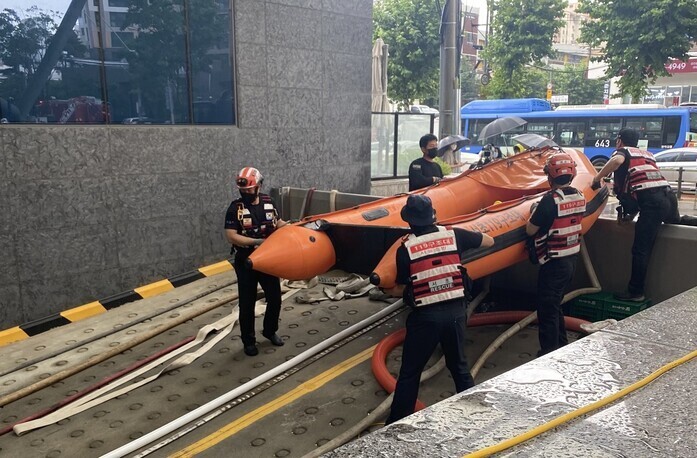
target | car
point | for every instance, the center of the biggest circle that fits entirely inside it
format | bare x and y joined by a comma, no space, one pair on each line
424,109
671,161
137,120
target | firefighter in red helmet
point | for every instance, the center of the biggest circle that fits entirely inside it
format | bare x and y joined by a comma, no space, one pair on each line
248,222
554,229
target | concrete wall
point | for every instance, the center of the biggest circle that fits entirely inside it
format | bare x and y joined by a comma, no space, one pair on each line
90,211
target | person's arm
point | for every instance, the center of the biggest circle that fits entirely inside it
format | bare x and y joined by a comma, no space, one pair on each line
610,166
402,277
487,241
531,229
241,240
396,291
417,179
540,215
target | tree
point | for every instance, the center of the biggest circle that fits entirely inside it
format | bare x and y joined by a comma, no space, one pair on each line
581,90
639,37
527,82
410,28
173,39
522,34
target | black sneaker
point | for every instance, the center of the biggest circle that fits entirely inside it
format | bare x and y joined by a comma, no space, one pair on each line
276,340
632,297
251,350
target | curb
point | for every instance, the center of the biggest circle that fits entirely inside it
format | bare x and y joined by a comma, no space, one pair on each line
32,328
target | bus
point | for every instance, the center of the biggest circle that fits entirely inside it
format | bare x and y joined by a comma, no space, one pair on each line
591,129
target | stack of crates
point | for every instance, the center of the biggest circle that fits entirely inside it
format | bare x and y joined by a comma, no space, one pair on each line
603,305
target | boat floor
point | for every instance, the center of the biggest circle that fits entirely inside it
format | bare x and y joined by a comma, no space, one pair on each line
289,416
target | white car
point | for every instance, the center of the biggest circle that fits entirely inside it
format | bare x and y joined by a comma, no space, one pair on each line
670,162
425,109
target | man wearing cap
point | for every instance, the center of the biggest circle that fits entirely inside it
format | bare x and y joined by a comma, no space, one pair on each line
639,187
431,279
425,171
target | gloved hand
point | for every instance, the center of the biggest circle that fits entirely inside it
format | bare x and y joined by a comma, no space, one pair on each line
258,242
595,185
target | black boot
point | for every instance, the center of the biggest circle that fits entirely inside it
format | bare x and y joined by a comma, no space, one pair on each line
275,339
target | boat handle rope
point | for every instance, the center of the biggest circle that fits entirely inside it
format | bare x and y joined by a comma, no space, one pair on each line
508,443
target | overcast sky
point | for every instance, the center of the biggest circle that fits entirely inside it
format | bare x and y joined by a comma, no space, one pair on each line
56,5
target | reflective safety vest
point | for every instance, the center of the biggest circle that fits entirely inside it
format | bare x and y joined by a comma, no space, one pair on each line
435,267
642,172
258,229
564,236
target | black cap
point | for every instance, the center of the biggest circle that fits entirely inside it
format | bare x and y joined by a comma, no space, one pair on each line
629,137
418,211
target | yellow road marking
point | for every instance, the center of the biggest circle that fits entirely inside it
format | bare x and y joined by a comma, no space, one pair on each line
153,289
84,311
217,268
248,419
12,335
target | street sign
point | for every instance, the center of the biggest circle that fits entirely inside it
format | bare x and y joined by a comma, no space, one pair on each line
560,98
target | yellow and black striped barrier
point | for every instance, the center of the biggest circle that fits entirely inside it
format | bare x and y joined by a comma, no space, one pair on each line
35,327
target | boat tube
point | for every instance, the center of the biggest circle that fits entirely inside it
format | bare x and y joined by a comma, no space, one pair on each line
357,238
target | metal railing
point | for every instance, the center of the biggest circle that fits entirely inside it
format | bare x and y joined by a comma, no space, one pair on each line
395,142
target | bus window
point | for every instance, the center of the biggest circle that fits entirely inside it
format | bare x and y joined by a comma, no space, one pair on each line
541,127
475,127
671,130
602,132
650,130
505,138
570,133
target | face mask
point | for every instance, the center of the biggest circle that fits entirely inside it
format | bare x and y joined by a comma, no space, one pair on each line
432,153
248,199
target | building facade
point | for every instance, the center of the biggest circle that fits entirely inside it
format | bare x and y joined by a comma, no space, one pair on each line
93,206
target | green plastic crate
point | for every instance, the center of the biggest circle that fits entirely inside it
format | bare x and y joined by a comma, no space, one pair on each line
620,310
590,307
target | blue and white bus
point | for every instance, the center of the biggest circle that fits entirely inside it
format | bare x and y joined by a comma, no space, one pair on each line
588,128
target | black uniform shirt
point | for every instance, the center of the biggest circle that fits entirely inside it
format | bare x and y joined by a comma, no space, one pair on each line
421,173
258,215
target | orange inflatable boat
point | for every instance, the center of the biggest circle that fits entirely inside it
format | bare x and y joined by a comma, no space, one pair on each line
357,239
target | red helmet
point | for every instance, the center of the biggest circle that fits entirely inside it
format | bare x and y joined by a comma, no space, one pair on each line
560,164
249,178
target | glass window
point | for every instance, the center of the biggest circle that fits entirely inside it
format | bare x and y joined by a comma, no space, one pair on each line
602,132
671,130
570,133
475,127
668,157
137,62
382,145
410,128
542,127
689,157
649,128
693,94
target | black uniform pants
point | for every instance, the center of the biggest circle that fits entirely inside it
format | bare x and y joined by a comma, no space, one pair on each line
247,280
427,326
553,279
654,207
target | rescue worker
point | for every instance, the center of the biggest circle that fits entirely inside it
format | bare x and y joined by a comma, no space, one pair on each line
248,222
639,187
437,296
554,229
424,171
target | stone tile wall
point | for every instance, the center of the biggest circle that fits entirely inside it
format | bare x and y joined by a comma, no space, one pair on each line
90,211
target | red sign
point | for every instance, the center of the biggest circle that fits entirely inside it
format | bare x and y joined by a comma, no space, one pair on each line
679,66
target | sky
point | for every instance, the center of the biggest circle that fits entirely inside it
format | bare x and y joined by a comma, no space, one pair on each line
56,5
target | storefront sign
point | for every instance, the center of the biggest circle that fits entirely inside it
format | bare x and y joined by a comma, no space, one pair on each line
679,66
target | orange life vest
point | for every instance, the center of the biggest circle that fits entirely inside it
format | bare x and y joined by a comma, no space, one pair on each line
642,172
259,229
435,267
564,236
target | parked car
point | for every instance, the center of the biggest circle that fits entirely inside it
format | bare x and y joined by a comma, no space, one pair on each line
425,109
670,162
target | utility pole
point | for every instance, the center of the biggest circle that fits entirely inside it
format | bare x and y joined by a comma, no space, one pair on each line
449,69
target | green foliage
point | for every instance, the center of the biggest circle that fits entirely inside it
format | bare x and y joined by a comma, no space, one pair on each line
639,37
444,166
525,82
522,34
157,56
410,29
582,91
